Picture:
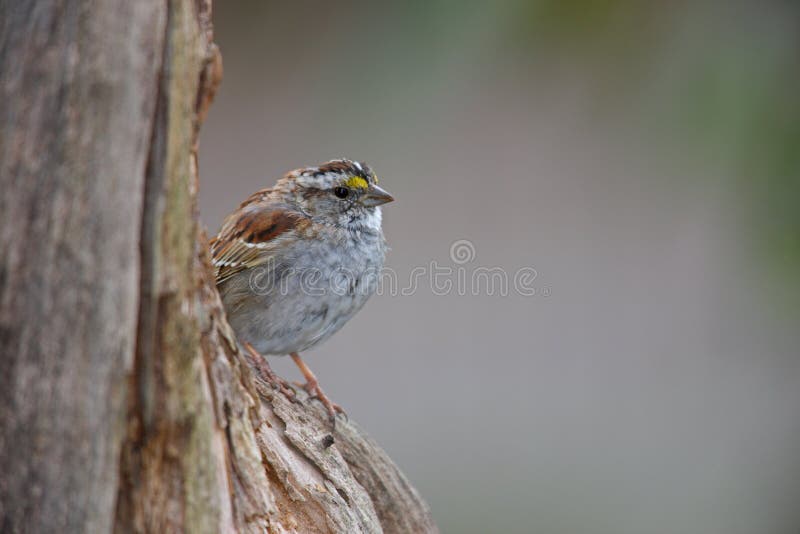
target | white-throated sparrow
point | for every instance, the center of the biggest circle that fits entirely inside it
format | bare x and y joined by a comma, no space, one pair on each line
295,262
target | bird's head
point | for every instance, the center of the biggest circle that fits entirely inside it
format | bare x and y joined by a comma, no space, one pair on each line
340,192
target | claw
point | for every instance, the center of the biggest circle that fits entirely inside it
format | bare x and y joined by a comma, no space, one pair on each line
315,391
266,372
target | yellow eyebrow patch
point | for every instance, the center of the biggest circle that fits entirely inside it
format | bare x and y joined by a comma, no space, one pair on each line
356,182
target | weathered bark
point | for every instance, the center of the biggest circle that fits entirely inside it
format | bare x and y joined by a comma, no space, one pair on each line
77,87
124,401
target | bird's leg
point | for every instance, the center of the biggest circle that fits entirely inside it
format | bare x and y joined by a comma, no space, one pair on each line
312,387
269,375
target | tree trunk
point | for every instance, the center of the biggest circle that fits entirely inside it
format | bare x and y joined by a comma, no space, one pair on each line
124,401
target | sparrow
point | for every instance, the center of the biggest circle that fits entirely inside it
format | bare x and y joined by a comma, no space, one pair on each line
295,262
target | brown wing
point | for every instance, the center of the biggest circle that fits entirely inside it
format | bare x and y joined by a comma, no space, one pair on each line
250,236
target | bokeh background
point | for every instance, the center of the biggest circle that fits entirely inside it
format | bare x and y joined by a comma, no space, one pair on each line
643,157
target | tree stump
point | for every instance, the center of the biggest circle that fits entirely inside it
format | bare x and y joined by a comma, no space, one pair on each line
125,403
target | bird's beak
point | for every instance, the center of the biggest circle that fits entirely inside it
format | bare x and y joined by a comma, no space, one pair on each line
375,196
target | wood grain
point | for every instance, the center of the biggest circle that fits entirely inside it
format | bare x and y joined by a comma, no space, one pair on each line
125,403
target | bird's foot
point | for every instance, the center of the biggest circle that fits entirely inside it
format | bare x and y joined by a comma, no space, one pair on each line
315,392
269,376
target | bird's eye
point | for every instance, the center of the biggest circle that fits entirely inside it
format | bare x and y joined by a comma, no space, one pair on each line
341,192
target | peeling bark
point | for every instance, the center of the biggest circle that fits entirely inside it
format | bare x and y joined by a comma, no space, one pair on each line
125,403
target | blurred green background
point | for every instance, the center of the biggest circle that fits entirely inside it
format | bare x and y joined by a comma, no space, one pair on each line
643,157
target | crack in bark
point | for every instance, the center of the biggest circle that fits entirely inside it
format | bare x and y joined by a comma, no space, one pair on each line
179,430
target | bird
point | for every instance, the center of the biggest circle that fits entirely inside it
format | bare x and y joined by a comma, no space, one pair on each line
294,262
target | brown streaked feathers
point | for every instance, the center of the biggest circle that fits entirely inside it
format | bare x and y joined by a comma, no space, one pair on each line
248,233
344,167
